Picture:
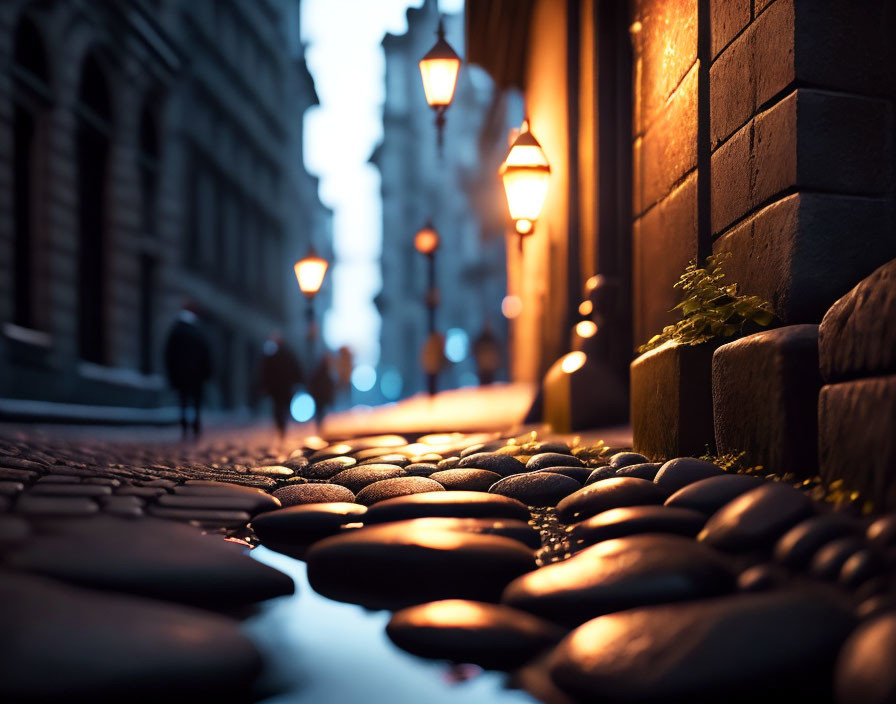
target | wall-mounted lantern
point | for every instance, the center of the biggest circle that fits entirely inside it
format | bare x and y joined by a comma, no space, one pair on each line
526,174
439,69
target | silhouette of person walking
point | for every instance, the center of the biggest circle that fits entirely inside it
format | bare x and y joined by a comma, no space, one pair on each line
487,351
322,389
188,363
280,374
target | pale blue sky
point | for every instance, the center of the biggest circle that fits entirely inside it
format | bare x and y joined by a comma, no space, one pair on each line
344,55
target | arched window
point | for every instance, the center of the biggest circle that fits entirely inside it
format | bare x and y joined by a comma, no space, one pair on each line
148,161
92,148
148,166
31,99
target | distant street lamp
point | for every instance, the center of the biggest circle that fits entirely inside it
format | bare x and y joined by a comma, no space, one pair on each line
310,273
526,174
426,241
439,69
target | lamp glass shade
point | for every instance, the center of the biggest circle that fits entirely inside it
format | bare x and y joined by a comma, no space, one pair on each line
526,175
439,69
426,241
310,273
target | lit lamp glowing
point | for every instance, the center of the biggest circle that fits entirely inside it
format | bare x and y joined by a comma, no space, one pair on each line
439,70
526,174
310,273
426,241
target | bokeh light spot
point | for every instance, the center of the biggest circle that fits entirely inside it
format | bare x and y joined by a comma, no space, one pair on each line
363,377
391,384
456,345
302,407
511,307
586,328
573,362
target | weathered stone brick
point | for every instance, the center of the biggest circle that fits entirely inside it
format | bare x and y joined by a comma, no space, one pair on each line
765,398
758,65
843,142
857,336
671,401
665,240
813,42
726,19
732,88
803,252
856,442
811,139
669,149
731,190
846,45
773,159
774,50
668,49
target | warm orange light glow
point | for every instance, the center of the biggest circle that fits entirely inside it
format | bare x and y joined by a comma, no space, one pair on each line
586,308
310,273
592,282
526,175
635,28
573,362
586,328
439,69
426,241
511,307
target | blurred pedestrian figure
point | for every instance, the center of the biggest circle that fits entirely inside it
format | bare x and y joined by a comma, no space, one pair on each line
487,352
188,363
321,388
280,374
345,363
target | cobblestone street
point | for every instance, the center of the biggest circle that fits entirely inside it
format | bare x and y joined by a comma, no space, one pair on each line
448,351
537,556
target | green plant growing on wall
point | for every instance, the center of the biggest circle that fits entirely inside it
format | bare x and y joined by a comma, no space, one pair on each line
709,307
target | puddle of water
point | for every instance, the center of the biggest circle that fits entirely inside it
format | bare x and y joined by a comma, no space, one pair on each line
319,651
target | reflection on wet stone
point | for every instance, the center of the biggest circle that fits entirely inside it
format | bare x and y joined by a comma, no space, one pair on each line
487,563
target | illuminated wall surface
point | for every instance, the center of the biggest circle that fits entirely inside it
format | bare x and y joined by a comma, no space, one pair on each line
761,129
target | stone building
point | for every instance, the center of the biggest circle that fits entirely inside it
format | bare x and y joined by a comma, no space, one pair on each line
677,129
419,185
147,155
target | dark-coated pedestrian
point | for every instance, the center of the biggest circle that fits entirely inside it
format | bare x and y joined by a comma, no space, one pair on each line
188,364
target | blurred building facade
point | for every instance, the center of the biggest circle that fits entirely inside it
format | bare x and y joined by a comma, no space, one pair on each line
420,186
150,152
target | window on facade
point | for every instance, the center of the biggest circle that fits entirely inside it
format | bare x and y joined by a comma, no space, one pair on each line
148,164
192,223
31,93
92,147
147,312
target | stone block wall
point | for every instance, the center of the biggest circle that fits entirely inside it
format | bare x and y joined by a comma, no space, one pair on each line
664,129
801,125
764,129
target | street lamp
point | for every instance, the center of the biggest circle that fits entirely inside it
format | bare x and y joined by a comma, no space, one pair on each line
525,174
426,241
310,273
439,69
